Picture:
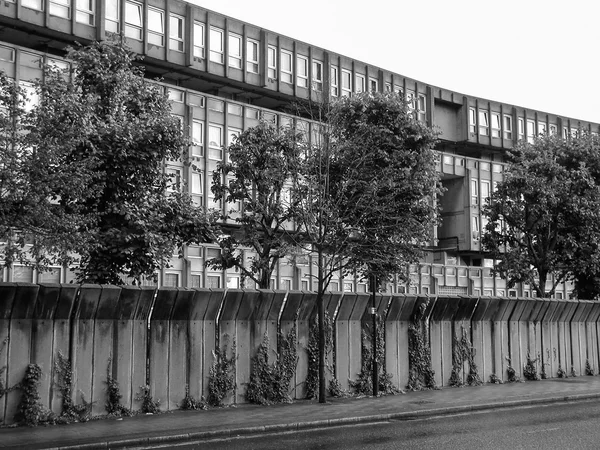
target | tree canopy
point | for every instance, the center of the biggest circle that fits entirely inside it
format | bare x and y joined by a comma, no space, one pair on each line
263,162
97,142
544,216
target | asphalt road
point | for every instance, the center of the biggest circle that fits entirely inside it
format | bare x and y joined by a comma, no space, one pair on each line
557,426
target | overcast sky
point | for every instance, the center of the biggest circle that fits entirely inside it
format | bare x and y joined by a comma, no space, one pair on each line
539,54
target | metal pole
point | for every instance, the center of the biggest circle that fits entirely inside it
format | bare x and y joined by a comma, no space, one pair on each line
374,313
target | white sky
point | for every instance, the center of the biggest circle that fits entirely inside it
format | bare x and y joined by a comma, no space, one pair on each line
539,54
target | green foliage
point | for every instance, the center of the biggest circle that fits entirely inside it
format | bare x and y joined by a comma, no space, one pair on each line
270,382
573,372
70,412
4,389
92,180
335,389
263,163
421,373
530,369
149,405
511,372
560,373
312,377
190,403
588,368
221,376
364,383
494,379
31,412
544,215
463,352
113,396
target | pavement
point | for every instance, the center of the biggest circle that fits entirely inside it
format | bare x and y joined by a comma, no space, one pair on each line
196,426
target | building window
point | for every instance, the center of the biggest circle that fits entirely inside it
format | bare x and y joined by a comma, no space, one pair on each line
484,124
171,279
542,128
398,90
346,83
472,120
133,20
59,8
530,131
216,45
495,125
521,124
112,16
30,96
286,67
174,183
302,71
234,109
410,99
196,184
85,11
475,229
213,282
7,54
348,287
235,51
251,56
359,81
197,138
175,95
474,191
334,81
373,85
33,4
554,130
198,40
507,127
156,27
272,62
485,190
216,105
269,117
215,142
317,76
422,107
176,27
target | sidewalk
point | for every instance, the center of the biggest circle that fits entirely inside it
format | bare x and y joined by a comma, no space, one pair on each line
251,419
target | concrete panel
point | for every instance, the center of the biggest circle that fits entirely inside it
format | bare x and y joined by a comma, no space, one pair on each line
289,316
82,345
42,338
179,347
396,358
243,326
210,333
160,345
196,354
342,342
139,341
361,306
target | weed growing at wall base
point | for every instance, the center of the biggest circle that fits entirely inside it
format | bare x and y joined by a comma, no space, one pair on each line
221,376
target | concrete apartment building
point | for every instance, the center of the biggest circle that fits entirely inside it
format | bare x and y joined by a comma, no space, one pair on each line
224,75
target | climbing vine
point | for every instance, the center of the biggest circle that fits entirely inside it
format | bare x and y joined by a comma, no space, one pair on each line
3,388
270,382
530,369
221,376
588,368
190,403
312,378
464,352
31,412
511,372
364,383
149,405
421,373
113,395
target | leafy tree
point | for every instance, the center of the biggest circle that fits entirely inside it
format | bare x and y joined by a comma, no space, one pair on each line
97,144
367,196
543,217
263,162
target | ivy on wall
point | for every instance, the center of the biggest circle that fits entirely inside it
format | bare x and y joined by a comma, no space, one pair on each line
421,373
463,352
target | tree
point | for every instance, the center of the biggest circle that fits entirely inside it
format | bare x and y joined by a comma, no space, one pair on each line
543,217
368,193
263,163
99,139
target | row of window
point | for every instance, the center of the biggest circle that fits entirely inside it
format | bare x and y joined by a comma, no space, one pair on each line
496,125
83,9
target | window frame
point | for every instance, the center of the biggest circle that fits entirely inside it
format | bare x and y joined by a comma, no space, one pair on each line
217,55
472,120
252,49
286,73
334,81
129,26
302,71
177,41
156,33
346,77
234,56
197,138
484,122
317,75
217,149
54,6
373,85
87,12
199,47
272,62
112,22
496,125
360,83
507,130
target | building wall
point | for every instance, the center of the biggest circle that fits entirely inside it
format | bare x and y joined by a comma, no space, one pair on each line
223,75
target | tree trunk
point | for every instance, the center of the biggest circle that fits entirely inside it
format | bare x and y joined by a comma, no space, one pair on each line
374,313
321,320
